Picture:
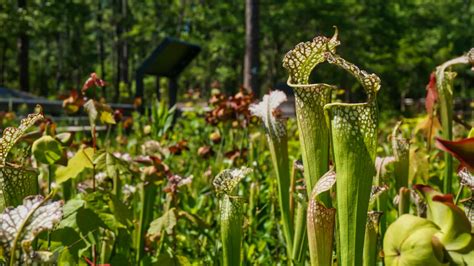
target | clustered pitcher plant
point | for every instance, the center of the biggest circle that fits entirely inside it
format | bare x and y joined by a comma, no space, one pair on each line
352,130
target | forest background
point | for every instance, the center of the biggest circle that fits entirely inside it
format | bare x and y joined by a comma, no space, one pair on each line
49,47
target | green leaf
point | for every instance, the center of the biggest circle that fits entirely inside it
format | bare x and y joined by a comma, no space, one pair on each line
455,227
47,150
166,260
107,118
164,223
80,161
408,241
111,165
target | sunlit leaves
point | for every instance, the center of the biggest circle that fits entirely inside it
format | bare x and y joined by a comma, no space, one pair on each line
79,162
47,150
408,241
165,223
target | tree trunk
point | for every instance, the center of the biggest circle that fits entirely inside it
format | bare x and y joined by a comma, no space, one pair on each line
122,49
23,44
251,62
101,46
2,63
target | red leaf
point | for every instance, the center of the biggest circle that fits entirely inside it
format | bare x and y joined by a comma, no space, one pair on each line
463,150
431,95
91,81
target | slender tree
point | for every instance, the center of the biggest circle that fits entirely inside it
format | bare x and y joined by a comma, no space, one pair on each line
23,44
251,64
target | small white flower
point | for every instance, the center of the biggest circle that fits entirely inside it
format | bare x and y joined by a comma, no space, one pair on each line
185,181
100,177
128,190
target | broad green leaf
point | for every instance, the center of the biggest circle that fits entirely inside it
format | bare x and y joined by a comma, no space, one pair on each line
408,241
80,161
166,259
111,165
107,118
455,227
47,150
20,226
164,223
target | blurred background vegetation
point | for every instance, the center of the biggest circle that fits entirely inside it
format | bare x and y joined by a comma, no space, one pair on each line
49,47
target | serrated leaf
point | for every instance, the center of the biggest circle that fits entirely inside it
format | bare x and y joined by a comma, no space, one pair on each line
78,163
22,224
164,223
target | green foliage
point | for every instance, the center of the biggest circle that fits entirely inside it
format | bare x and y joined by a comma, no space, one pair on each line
47,150
79,162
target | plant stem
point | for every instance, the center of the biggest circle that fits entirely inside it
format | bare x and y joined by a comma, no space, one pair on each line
459,194
147,200
300,239
279,153
370,242
231,230
404,204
